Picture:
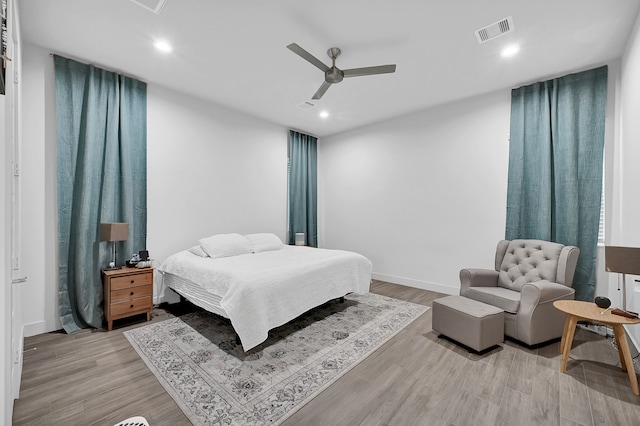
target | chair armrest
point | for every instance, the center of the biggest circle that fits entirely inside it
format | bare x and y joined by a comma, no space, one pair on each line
477,278
538,320
567,265
543,291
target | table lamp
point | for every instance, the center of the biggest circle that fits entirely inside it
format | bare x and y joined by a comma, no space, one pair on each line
114,232
623,260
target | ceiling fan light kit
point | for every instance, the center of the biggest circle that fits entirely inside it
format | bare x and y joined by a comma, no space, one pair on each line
333,74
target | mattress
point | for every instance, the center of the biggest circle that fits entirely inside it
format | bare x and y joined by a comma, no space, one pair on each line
261,291
195,294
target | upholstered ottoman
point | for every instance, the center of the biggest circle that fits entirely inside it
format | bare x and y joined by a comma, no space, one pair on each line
467,321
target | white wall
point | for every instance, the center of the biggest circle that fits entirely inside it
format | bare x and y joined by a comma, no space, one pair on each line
210,170
421,196
39,313
625,222
626,229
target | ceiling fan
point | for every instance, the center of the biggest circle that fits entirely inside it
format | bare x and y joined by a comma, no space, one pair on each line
334,74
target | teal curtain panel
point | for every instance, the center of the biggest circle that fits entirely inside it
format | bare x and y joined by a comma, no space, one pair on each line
303,187
555,166
102,169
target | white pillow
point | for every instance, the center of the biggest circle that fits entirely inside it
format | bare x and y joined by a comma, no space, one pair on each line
197,250
264,242
225,245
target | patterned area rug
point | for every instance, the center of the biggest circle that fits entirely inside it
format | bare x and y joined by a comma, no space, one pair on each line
214,382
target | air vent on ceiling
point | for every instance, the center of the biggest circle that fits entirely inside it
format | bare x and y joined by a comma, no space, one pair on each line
494,30
154,6
306,105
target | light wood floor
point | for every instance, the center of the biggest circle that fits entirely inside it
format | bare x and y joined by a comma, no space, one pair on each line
96,378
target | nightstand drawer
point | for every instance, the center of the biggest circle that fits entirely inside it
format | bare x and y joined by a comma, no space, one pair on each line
130,306
131,293
118,283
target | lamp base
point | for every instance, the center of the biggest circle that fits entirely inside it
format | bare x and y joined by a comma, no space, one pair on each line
114,268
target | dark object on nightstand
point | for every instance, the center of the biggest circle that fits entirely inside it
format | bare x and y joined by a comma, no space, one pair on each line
602,302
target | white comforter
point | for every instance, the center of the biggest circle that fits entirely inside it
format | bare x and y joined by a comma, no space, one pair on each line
264,290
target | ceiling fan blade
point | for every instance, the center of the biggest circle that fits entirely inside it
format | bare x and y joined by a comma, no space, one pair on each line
307,56
381,69
321,90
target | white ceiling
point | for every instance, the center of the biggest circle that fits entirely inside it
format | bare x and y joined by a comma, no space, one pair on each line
234,53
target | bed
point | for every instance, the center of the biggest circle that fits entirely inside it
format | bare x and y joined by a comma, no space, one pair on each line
260,284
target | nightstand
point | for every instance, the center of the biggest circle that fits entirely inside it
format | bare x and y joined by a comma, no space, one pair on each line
127,292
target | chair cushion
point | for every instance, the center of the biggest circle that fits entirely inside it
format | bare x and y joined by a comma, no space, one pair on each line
528,261
500,297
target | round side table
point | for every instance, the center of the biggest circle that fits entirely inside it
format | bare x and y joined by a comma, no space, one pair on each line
576,311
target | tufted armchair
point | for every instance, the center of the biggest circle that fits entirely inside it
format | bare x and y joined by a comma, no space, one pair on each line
529,276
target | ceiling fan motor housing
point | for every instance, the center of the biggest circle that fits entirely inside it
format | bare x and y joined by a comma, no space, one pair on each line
333,75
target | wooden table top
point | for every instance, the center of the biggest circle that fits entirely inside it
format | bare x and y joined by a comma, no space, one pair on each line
591,311
125,270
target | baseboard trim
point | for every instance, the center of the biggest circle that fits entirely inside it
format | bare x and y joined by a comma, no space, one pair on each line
34,328
16,366
424,285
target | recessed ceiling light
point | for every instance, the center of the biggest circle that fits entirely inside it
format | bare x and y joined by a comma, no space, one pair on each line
324,114
510,51
162,46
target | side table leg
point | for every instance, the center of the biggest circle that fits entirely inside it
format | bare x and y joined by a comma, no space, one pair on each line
567,338
625,356
567,322
619,334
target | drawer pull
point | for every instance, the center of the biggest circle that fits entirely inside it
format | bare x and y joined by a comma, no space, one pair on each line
132,293
133,281
131,306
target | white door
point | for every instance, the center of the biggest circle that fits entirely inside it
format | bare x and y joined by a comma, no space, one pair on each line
11,214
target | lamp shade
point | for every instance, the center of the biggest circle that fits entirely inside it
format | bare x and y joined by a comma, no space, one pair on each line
114,231
623,260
